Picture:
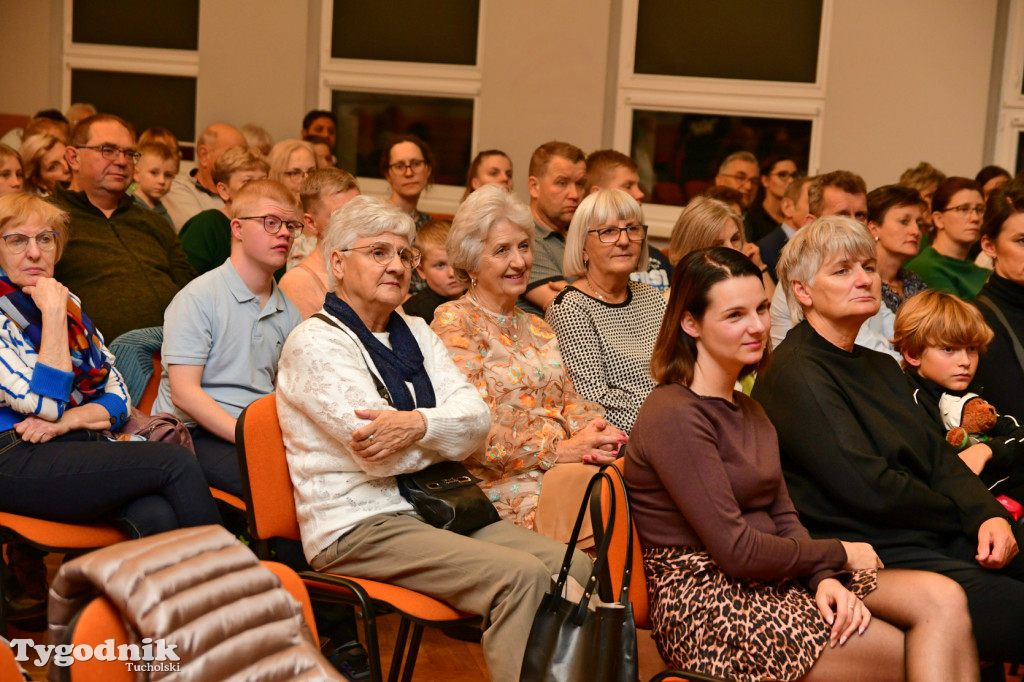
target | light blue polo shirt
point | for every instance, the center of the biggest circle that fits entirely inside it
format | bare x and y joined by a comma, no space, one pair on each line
216,321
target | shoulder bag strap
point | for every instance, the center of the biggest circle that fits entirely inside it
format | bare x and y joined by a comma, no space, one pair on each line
382,390
1018,350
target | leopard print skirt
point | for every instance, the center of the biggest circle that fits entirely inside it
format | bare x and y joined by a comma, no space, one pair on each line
735,628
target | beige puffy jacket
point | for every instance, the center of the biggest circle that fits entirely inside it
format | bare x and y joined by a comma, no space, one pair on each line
203,591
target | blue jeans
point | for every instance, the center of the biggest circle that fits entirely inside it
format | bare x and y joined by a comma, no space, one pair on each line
141,488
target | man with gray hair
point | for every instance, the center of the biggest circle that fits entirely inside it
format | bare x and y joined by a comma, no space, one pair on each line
740,171
191,195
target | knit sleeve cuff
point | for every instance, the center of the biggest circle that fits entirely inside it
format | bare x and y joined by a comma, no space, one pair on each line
115,406
51,383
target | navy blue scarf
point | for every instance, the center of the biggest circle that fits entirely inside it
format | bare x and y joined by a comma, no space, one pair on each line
401,363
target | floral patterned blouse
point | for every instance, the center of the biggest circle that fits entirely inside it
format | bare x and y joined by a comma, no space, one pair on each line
515,364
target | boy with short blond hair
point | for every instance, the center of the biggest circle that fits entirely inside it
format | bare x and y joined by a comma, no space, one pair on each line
154,172
442,286
940,338
324,191
223,333
206,236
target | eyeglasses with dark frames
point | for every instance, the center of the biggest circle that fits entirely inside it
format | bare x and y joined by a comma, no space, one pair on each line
401,167
45,241
384,253
110,152
272,224
611,234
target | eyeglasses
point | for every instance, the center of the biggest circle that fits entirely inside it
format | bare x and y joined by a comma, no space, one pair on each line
110,152
966,210
272,224
610,235
45,241
401,167
740,177
384,253
299,173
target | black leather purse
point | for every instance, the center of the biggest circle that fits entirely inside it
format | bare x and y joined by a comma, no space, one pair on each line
445,494
569,642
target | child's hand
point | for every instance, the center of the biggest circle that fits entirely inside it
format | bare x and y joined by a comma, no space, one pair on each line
976,457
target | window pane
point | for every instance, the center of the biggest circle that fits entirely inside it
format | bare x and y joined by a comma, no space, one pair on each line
367,120
749,39
141,99
1020,154
679,154
437,32
137,23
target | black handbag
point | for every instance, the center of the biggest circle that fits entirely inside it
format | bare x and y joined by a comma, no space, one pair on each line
568,641
445,494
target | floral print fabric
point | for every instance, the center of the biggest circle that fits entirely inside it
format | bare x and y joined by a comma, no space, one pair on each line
515,365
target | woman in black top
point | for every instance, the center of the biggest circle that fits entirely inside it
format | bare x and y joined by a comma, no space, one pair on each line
1001,302
860,463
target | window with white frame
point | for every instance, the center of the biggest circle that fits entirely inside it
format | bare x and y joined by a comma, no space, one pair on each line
421,75
1009,139
142,71
696,84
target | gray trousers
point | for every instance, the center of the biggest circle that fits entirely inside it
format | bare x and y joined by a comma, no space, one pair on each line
499,572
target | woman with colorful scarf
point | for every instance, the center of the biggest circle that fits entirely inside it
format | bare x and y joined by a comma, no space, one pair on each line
59,390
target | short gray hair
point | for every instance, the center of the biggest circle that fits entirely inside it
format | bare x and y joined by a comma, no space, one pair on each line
600,208
699,225
813,246
482,210
737,156
364,216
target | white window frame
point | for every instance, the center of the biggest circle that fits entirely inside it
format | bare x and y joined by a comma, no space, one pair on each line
1010,122
150,61
403,78
724,96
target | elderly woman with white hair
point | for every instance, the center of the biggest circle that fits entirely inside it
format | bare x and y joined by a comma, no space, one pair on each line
605,323
366,393
859,458
513,358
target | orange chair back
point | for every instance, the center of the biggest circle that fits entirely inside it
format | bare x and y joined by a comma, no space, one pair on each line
152,386
617,552
265,477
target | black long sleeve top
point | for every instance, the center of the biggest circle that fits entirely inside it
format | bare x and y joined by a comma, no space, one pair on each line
860,462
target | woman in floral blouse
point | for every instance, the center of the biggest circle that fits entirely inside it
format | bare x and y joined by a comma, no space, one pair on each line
512,358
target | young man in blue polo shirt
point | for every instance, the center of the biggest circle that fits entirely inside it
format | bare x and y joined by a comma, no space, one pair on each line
223,332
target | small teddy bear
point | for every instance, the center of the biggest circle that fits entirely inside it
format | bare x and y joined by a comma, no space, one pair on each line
968,419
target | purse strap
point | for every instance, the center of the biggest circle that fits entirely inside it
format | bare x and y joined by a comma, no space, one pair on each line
1018,350
382,390
601,558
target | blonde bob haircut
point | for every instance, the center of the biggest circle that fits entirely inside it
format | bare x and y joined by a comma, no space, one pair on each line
935,319
816,244
363,216
482,210
699,225
21,208
603,207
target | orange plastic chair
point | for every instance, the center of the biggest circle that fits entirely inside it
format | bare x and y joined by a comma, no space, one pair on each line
271,510
9,669
100,621
50,536
617,562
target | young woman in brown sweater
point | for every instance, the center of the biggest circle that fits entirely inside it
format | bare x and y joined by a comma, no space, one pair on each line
738,588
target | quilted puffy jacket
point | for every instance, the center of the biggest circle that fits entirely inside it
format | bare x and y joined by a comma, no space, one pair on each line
203,591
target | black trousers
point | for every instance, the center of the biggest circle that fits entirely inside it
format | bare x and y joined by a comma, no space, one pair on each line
142,488
995,597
